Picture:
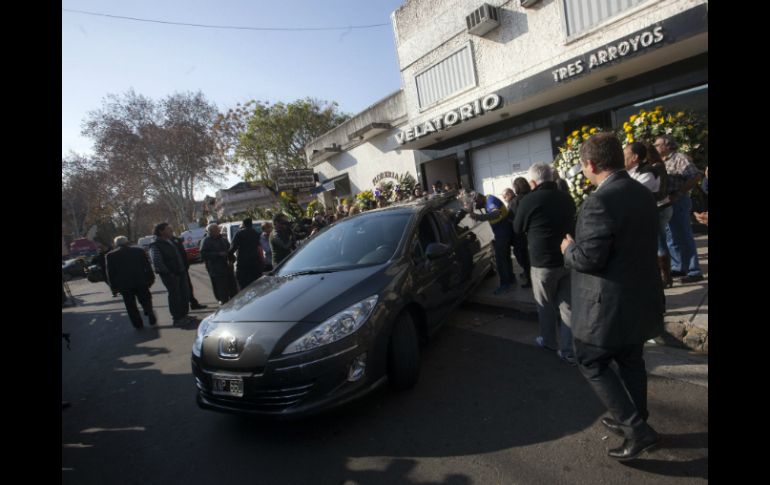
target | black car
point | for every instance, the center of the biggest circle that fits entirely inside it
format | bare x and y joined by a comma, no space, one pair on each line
344,313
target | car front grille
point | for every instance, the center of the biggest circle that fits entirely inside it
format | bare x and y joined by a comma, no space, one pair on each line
268,398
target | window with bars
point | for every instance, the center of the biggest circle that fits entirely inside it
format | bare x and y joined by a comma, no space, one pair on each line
581,15
447,77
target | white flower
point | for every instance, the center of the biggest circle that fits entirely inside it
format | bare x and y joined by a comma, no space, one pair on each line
669,130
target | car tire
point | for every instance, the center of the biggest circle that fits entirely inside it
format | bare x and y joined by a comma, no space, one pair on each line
403,353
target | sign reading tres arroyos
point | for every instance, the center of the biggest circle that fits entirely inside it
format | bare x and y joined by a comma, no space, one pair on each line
450,118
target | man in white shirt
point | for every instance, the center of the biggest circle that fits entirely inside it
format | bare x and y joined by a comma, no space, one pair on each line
634,154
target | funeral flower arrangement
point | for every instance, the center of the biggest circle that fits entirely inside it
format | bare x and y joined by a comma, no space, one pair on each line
568,165
687,128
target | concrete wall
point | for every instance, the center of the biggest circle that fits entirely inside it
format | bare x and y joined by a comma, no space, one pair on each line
390,109
362,163
528,41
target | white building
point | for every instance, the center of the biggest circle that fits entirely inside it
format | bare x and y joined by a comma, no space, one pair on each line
489,89
242,197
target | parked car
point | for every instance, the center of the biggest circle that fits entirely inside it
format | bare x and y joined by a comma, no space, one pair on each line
144,242
191,241
73,268
83,247
229,229
343,314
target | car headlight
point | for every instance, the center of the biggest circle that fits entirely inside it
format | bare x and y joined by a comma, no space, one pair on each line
339,326
206,327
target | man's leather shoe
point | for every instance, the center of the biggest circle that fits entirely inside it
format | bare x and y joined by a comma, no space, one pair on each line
677,273
198,307
633,447
613,426
692,279
153,320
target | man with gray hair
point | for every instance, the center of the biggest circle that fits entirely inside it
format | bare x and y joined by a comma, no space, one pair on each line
546,215
214,250
128,271
682,177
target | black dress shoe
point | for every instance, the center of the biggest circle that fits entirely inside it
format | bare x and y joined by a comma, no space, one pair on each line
692,279
198,307
633,447
153,320
677,273
613,426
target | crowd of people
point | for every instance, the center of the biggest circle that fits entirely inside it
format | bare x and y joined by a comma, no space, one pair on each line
597,274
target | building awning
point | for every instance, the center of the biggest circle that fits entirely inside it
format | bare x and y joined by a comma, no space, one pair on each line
334,183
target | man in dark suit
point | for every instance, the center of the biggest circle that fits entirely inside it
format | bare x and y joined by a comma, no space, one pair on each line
128,271
194,304
250,258
169,264
617,295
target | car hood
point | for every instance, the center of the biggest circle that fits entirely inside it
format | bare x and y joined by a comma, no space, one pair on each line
302,298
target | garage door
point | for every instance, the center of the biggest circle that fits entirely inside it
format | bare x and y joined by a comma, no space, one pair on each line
495,167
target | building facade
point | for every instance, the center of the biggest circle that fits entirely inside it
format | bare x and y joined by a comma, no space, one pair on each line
490,88
241,198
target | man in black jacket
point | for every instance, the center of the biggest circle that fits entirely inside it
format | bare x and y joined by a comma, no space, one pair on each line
546,215
214,254
250,259
618,295
169,264
194,305
128,271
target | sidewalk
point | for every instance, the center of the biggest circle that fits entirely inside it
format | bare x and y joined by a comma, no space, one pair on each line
686,318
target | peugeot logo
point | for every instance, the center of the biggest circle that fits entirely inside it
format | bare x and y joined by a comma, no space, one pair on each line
228,347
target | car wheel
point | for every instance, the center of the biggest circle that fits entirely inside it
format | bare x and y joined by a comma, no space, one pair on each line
403,353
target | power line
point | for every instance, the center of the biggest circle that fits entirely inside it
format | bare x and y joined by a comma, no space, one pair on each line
229,27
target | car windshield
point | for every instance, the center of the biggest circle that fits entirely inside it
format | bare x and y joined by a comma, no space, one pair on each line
361,241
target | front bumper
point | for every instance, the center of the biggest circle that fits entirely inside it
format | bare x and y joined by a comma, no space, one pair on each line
292,387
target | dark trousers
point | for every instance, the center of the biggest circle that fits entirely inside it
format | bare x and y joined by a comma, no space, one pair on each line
246,275
502,244
145,299
193,301
521,251
178,294
624,393
224,287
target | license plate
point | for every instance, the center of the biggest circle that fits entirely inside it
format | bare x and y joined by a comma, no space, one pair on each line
227,385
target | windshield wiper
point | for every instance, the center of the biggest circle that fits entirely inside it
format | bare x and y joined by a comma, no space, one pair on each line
312,271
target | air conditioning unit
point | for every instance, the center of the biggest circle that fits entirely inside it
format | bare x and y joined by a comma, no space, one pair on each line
483,19
528,3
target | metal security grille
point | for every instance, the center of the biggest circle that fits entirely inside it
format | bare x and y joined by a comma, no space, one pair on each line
449,76
584,14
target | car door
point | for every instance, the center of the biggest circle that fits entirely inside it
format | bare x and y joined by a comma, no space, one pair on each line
433,278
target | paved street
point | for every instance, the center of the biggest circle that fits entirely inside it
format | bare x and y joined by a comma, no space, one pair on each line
490,407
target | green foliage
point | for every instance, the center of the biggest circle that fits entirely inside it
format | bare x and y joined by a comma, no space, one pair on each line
269,137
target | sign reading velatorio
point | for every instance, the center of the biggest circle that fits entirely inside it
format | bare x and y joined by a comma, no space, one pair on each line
609,53
294,179
450,118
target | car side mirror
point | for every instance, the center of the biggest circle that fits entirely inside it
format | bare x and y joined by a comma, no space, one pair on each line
437,251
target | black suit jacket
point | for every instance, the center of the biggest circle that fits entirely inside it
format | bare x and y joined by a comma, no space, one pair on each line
128,268
617,295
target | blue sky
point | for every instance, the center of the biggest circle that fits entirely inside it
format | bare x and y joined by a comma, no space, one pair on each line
102,55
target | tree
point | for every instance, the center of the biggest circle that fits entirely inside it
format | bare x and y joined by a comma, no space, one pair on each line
85,193
268,137
160,150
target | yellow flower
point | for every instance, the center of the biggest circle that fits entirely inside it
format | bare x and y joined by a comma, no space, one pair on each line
659,108
642,112
633,118
593,130
575,133
628,129
569,140
283,194
670,119
584,128
585,136
629,138
680,114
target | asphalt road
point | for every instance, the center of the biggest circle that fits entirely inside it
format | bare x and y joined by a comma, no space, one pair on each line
488,408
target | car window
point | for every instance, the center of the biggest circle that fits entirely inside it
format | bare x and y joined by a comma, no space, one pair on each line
359,241
446,228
